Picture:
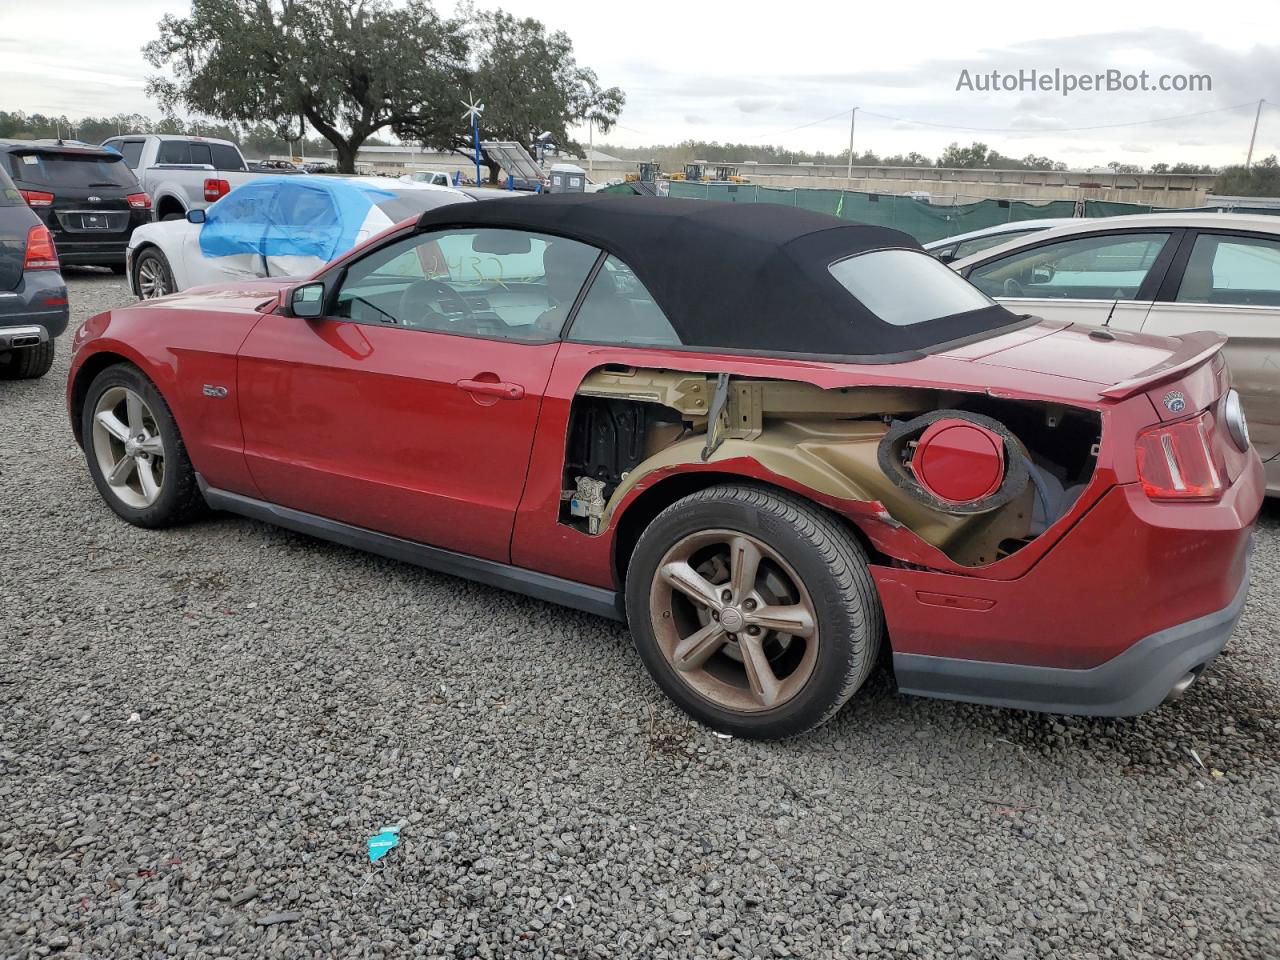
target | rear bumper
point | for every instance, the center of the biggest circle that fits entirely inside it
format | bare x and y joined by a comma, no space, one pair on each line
40,301
1133,598
1133,682
97,253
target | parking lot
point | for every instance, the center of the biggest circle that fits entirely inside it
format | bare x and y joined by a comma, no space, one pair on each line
201,727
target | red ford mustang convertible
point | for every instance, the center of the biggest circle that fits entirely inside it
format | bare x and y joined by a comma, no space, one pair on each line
775,443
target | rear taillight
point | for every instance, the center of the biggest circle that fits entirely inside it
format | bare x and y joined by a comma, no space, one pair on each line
213,189
37,198
139,201
41,254
1175,462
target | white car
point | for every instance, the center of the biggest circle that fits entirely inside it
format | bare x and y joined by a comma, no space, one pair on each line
273,227
961,245
1164,273
433,177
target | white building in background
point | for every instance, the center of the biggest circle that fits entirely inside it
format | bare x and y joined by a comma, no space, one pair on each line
406,158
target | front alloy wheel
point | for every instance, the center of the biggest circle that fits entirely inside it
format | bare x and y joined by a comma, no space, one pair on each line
152,276
134,451
127,443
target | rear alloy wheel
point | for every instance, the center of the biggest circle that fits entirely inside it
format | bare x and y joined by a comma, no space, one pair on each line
754,610
135,454
151,275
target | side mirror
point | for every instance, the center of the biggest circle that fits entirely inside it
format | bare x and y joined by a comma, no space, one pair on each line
195,216
1043,273
307,300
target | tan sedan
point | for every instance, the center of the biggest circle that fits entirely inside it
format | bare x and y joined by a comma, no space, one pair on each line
1166,273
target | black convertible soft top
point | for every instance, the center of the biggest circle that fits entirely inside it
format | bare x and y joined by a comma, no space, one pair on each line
736,277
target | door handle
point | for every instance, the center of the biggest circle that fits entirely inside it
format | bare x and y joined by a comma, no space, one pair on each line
493,388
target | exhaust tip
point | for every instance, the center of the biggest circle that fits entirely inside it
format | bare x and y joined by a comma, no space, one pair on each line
1179,688
24,341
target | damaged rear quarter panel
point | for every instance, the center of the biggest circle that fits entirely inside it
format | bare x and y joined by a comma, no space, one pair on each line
542,542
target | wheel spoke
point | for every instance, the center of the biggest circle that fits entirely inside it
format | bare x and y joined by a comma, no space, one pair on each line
121,471
763,682
744,563
694,650
147,479
795,620
692,584
133,405
111,423
153,446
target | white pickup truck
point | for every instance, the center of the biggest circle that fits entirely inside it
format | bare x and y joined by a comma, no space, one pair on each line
184,173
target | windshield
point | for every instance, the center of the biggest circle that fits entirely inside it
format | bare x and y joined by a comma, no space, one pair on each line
905,287
77,170
404,204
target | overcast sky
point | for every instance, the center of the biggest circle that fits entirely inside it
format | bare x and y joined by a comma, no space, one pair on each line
762,73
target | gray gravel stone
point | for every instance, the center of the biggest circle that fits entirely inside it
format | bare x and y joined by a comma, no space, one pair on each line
200,729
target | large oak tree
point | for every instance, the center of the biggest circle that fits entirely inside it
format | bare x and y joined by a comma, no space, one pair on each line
348,67
530,84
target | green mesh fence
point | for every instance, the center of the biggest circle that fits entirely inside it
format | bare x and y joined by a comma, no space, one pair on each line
922,220
1112,208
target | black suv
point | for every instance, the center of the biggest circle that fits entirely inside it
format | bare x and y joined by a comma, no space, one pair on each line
33,298
87,197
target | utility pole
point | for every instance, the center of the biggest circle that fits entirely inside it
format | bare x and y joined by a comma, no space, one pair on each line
591,146
853,119
1248,162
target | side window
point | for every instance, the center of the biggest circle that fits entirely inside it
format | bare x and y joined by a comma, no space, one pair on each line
477,282
174,151
226,157
1105,267
1232,270
132,150
200,153
968,248
618,309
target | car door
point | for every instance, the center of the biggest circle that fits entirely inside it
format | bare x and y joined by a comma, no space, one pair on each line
1229,281
1102,277
211,252
409,408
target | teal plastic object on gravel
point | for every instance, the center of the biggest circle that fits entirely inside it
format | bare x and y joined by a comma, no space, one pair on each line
386,840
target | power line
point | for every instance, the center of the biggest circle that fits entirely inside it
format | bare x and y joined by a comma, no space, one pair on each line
811,123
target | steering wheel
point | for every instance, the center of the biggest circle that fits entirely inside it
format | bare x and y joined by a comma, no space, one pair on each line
1012,288
432,297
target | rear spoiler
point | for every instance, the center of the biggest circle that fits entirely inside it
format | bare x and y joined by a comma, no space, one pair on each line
1196,348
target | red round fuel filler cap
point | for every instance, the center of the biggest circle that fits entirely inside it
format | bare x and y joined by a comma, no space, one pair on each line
959,461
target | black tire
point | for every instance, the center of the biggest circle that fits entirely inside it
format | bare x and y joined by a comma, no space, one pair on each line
826,557
180,500
28,363
173,216
152,255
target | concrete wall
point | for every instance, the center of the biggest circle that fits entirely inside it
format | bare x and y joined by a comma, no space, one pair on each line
944,184
948,184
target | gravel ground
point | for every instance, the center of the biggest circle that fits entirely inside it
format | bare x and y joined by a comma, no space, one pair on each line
200,728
